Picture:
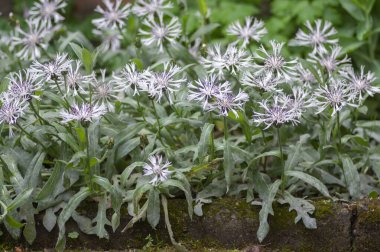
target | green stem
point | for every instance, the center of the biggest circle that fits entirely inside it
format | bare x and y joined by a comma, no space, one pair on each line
158,123
140,109
88,169
338,130
63,96
283,178
225,129
212,137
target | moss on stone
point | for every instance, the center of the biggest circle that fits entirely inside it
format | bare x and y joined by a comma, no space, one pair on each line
323,209
373,212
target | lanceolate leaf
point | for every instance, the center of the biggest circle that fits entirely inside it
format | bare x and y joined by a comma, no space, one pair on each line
351,176
294,157
204,141
313,181
153,211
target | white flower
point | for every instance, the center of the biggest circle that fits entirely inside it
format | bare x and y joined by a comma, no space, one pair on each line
151,7
130,78
205,90
111,39
30,41
232,60
275,62
214,62
164,82
252,30
299,101
11,110
73,81
266,81
336,95
47,11
103,91
226,102
329,58
360,84
236,60
316,36
85,113
159,33
276,112
114,14
23,84
305,76
52,69
158,169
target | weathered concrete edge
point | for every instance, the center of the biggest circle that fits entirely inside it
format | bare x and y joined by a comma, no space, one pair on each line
232,224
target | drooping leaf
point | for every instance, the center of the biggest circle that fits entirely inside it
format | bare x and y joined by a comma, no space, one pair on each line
303,208
267,209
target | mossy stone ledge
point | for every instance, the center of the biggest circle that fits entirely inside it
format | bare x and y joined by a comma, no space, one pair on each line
229,224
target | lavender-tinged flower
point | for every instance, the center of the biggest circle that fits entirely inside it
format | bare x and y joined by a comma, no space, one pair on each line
252,30
226,102
276,112
52,69
158,168
11,110
329,58
266,81
275,62
159,33
103,91
360,84
30,41
73,81
305,76
114,14
299,101
47,11
151,7
236,60
84,114
205,90
111,39
23,85
232,59
336,95
317,36
165,82
130,78
214,62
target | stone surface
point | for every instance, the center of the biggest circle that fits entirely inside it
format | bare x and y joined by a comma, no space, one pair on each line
232,224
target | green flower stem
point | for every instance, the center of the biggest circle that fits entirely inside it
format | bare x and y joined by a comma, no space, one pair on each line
212,137
338,131
140,109
158,124
63,96
283,178
89,171
225,129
